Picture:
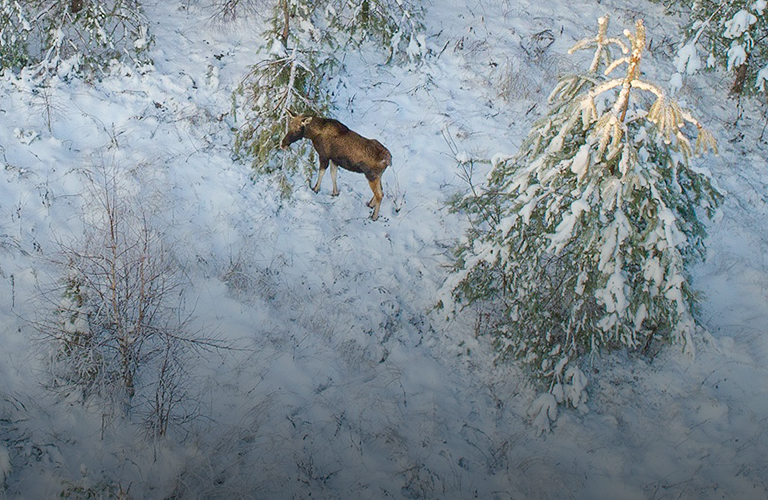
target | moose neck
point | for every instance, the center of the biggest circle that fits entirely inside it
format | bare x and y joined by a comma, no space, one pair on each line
310,129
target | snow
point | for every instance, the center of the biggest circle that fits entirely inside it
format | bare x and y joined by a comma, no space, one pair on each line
762,77
581,161
739,23
341,382
542,412
687,59
5,465
737,55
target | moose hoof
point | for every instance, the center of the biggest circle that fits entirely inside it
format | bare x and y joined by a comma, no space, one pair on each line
335,194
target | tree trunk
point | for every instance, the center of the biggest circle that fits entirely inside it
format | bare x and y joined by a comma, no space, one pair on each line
286,19
741,78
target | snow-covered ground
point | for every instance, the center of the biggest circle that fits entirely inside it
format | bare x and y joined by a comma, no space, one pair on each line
342,381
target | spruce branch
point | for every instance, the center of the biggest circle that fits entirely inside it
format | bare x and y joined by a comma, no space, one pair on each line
601,44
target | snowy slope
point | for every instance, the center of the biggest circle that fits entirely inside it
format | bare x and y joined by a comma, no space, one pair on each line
341,382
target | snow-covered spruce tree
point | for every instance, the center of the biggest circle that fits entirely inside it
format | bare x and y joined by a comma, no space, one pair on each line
731,34
81,36
307,41
583,240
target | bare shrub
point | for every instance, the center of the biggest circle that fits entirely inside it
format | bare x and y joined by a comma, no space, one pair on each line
515,84
116,317
228,11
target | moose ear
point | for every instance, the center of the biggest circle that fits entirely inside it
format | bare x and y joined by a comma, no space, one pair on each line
306,121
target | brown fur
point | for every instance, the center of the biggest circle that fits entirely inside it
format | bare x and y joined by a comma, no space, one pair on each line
337,144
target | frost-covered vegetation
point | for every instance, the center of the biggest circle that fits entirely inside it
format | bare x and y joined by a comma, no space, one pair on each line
74,36
117,319
584,240
172,326
731,35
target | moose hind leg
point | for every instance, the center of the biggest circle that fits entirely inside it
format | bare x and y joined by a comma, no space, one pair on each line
375,202
334,174
320,174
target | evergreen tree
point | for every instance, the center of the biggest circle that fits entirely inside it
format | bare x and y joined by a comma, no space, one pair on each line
73,36
583,240
297,75
732,35
14,31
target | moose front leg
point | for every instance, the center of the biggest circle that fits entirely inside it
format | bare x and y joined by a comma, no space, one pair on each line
321,173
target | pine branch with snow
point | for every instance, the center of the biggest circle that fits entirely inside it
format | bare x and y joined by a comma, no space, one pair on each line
730,35
15,29
73,36
583,241
273,88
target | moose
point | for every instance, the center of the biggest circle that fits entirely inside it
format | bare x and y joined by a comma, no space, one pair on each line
342,147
